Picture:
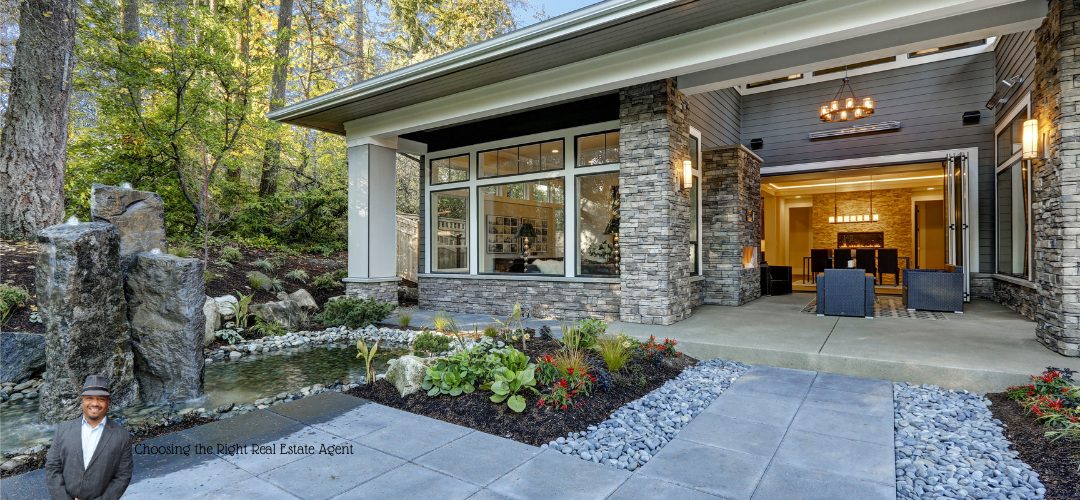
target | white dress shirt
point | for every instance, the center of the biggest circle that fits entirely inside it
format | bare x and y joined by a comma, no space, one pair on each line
90,438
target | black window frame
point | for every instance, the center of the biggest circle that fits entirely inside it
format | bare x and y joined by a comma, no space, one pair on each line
603,133
480,167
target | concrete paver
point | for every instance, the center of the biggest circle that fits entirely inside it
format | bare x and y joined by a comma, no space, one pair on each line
412,481
552,474
478,458
638,487
785,481
721,472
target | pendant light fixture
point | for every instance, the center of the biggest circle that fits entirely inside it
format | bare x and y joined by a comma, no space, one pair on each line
845,105
870,216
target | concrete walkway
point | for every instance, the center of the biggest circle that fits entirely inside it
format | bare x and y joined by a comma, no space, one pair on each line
775,433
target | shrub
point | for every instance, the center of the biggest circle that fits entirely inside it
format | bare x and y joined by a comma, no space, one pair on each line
230,254
183,251
429,343
11,298
331,280
1054,399
404,319
224,264
656,352
299,275
570,361
209,276
590,329
491,332
456,375
268,328
615,350
444,322
355,313
265,265
260,281
565,392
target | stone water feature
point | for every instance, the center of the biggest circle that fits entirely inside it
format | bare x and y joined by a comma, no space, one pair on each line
139,216
165,296
81,297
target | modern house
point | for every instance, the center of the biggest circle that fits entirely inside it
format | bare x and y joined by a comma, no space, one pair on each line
638,158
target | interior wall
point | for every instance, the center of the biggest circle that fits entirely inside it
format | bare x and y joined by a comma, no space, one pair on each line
931,239
800,235
772,248
893,206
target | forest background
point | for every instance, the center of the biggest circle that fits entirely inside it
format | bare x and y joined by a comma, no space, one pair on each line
171,96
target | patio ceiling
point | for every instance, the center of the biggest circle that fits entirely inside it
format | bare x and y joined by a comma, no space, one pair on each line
928,176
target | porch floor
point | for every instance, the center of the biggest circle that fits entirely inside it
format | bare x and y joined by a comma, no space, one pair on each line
986,349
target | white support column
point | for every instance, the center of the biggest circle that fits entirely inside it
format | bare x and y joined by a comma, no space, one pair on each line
372,222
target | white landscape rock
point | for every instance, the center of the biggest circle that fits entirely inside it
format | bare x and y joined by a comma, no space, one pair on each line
304,299
213,320
226,306
406,374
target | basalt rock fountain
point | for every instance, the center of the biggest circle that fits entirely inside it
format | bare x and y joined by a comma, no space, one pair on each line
114,304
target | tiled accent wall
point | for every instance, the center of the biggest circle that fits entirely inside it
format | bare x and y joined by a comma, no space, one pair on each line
893,205
1055,101
731,223
654,225
567,300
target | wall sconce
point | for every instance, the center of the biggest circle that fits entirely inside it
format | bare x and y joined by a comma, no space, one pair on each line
687,175
1031,139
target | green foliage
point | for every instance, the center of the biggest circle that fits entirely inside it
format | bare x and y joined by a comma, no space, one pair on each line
459,374
230,254
404,319
513,329
428,343
590,329
571,337
299,275
570,361
491,332
260,281
183,251
223,264
355,313
209,275
615,350
240,309
11,298
229,335
444,322
331,280
507,384
264,265
268,328
368,356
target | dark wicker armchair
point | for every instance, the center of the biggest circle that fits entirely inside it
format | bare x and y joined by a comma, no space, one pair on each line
845,292
934,290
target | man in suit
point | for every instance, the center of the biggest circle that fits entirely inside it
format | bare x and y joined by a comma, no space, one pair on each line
90,456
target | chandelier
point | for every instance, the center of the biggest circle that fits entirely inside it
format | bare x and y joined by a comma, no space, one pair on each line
845,106
869,216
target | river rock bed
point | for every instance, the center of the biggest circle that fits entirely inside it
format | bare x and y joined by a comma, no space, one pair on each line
949,445
636,431
330,335
27,389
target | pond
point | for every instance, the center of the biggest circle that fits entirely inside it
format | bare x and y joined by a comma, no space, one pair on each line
241,381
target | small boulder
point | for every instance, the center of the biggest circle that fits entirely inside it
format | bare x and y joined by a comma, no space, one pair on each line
283,312
21,355
226,306
304,299
213,320
406,374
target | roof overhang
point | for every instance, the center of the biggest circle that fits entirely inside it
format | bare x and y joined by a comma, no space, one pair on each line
750,44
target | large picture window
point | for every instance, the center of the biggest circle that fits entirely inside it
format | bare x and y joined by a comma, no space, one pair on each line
450,222
522,227
1013,188
598,224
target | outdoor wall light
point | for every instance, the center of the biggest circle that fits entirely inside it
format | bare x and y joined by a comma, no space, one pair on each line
687,175
1031,139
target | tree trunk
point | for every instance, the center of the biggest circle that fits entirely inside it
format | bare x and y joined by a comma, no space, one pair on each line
33,144
131,37
233,172
272,159
360,71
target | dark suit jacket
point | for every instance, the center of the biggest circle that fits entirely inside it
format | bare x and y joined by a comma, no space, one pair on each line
110,468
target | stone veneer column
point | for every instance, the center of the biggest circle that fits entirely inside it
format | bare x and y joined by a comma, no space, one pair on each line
731,222
654,223
372,223
1055,99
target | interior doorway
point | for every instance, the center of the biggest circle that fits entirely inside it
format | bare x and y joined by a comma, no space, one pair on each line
929,235
800,232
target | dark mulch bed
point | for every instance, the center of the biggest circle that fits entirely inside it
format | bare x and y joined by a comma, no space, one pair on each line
19,261
138,435
1056,462
230,280
535,425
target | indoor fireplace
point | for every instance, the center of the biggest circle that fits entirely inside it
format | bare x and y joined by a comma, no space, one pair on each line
860,240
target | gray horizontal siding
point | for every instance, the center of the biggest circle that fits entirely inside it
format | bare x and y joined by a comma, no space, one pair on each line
1016,56
929,99
717,116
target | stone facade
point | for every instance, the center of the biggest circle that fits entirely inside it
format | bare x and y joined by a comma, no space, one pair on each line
1055,100
1020,298
731,225
654,228
559,299
982,286
385,291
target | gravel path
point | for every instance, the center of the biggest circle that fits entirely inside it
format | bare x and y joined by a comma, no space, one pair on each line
635,432
948,445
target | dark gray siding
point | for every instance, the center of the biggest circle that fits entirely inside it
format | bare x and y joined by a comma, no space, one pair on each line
1016,56
717,116
929,100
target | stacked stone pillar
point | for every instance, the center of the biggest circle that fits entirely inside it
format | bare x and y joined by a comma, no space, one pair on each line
1055,101
731,225
654,226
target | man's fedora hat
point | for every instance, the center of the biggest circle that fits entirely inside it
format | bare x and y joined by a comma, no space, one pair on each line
95,385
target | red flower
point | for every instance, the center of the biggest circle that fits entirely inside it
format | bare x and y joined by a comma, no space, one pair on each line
570,371
563,407
562,383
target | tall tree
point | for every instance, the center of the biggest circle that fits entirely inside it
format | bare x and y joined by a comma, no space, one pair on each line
130,36
33,143
359,39
279,79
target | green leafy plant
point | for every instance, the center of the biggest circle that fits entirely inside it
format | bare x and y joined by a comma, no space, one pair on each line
657,351
224,264
1054,399
546,371
240,309
491,332
566,392
460,373
183,251
229,335
507,385
355,313
590,329
331,280
299,275
404,319
368,355
615,351
230,254
571,337
260,281
514,327
11,298
268,328
429,343
265,265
